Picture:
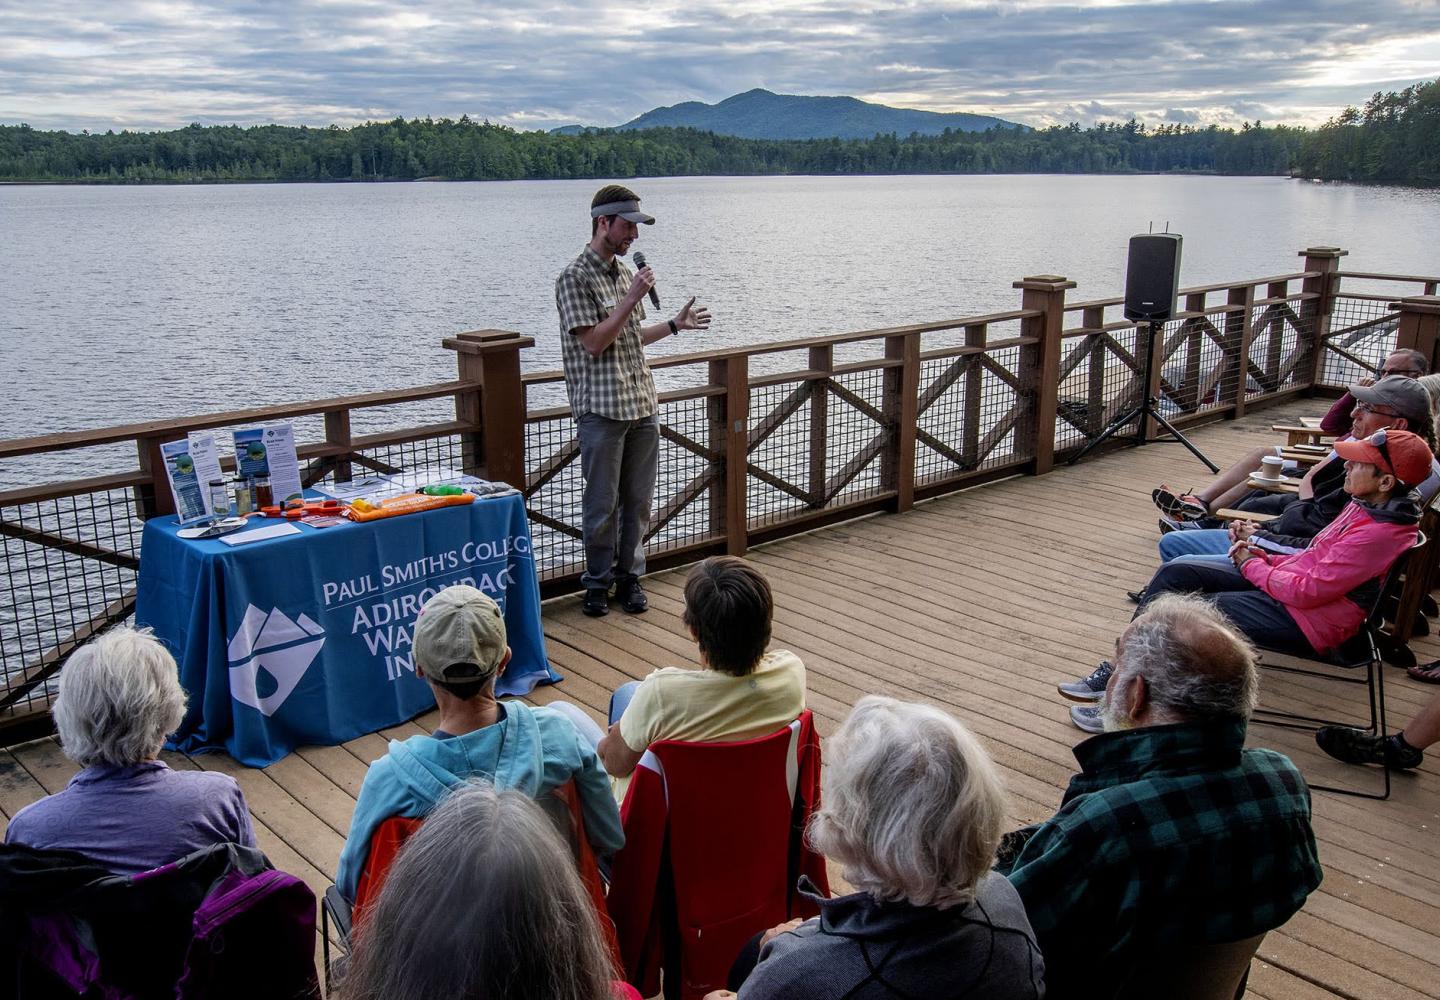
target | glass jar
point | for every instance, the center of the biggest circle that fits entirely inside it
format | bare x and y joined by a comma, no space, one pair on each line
242,497
264,496
219,499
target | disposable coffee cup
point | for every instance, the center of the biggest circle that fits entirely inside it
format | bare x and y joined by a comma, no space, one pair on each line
1270,467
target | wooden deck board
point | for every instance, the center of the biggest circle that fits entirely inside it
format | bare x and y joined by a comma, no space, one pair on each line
979,602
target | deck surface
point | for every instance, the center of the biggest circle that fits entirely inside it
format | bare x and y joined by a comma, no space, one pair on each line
981,603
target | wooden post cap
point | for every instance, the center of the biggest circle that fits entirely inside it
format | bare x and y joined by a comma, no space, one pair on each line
1044,283
1329,253
487,341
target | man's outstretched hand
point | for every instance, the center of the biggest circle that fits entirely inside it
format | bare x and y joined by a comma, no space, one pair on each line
693,317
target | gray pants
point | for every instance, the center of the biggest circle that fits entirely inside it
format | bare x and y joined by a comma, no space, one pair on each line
618,460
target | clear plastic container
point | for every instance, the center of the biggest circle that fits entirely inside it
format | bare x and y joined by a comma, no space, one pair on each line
219,498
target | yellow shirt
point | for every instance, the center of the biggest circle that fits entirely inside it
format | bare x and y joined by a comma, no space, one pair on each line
696,706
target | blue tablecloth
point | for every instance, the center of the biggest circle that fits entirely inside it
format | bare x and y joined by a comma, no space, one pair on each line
306,638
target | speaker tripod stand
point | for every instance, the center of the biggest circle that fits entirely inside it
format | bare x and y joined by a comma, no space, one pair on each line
1146,408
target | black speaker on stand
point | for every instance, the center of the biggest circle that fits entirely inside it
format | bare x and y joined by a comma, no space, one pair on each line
1152,281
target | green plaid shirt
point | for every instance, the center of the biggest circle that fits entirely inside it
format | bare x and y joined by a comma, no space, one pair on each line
1170,835
617,384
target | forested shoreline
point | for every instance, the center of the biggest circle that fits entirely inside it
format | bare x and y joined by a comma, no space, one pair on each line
1394,138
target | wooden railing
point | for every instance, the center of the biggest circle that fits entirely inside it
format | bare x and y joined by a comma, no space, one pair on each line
757,442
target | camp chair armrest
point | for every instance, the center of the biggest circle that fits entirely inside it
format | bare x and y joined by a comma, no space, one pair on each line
1230,514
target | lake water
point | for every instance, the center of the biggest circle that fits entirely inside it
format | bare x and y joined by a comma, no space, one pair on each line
122,304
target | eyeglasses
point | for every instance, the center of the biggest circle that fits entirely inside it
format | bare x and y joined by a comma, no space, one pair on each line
1371,408
1378,439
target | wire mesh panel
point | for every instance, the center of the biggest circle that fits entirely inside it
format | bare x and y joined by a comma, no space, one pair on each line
1281,342
70,565
971,409
857,437
553,495
1362,332
1201,368
688,467
779,483
1102,375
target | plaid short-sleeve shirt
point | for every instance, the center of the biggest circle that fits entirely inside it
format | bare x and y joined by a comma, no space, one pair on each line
616,384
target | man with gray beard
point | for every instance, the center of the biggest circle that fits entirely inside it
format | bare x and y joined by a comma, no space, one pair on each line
1173,835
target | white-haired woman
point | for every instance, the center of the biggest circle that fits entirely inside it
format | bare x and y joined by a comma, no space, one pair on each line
483,901
912,811
119,697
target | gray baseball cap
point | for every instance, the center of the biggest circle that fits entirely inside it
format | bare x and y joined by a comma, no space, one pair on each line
460,636
1406,396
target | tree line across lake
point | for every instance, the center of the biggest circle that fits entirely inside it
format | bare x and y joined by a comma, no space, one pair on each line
1394,138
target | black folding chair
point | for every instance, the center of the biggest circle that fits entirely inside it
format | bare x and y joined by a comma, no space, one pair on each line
1361,653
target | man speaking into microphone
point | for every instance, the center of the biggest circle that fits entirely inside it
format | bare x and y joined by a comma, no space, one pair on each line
612,395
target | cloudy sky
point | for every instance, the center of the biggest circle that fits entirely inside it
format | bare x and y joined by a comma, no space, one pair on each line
146,64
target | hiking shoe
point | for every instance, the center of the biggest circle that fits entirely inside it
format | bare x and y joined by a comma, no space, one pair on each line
1356,746
1087,717
1167,525
597,602
630,595
1184,507
1090,688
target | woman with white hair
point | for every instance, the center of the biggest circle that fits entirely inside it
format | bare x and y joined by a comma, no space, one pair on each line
119,697
483,901
912,811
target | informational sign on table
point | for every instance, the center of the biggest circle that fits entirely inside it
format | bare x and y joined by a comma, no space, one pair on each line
269,450
191,464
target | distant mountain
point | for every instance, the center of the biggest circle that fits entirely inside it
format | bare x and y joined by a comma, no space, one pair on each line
759,114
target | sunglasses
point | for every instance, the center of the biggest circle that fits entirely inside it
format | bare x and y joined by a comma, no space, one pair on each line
1378,439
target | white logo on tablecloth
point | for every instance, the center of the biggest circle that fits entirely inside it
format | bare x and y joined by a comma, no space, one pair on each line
282,647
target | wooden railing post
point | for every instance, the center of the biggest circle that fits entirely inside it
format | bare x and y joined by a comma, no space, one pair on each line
1316,312
1240,330
901,407
154,498
1420,325
1040,362
730,438
337,432
822,359
1093,318
496,410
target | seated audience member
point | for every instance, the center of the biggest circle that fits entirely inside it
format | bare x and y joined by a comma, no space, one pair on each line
483,901
912,812
1310,602
1398,751
1396,401
1404,362
1173,835
119,697
743,692
1301,520
460,649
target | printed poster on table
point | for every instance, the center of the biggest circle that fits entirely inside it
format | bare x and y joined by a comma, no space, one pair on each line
269,450
191,464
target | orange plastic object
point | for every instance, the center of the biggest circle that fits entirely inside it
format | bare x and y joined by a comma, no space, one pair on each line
271,511
408,504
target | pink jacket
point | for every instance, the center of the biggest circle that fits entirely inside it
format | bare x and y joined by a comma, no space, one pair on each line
1320,586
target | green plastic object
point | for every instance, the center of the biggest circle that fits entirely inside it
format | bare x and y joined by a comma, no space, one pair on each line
442,491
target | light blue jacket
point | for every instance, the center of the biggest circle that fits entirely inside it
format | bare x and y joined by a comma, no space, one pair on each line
532,750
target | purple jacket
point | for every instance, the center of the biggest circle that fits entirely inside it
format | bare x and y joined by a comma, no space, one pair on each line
131,819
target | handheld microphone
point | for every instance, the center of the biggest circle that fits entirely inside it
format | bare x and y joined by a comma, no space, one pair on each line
639,263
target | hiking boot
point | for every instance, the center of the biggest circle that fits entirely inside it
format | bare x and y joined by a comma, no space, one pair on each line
597,602
1356,746
1087,717
631,595
1090,688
